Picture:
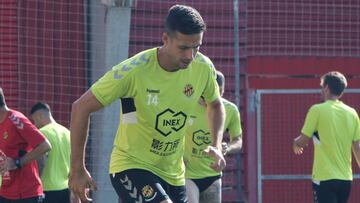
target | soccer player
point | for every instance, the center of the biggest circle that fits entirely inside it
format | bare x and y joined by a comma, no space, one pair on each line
202,183
22,143
55,165
159,89
335,130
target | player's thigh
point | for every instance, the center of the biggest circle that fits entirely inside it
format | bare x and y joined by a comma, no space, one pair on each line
192,191
136,185
4,200
212,194
29,200
324,193
177,193
59,196
344,190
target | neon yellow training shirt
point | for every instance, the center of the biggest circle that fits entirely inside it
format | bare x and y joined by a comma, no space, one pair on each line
338,126
198,137
155,109
56,171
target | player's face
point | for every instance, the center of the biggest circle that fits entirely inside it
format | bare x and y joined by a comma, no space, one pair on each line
35,119
324,92
221,90
182,49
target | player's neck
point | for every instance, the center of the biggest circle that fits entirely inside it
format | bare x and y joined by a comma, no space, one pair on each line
163,61
332,98
3,113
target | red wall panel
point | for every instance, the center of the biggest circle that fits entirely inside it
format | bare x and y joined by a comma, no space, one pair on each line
51,55
8,52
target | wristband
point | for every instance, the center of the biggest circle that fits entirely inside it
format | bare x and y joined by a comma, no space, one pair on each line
18,163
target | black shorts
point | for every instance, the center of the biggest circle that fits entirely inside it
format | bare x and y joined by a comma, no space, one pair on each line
135,184
204,183
27,200
332,191
57,196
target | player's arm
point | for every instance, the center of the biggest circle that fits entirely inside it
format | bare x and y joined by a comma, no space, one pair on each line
300,143
356,151
39,150
80,178
232,147
41,162
216,118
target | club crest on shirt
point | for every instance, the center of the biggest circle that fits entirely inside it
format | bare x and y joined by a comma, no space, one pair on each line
188,90
5,135
148,193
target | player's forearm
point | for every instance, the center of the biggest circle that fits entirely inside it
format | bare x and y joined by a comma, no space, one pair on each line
234,146
79,127
356,151
41,163
36,153
216,118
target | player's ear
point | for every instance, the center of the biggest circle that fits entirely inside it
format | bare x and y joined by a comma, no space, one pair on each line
165,38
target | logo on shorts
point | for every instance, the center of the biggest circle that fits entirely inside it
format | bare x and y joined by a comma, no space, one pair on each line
188,90
148,193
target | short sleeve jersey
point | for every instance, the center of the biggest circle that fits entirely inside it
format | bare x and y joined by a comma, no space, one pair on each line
198,137
56,171
337,126
20,136
155,109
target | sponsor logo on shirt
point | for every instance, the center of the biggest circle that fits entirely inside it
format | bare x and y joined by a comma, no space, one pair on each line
188,90
201,137
164,148
169,121
152,91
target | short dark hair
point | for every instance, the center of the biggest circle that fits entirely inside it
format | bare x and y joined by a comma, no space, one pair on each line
184,19
2,98
40,106
336,82
220,79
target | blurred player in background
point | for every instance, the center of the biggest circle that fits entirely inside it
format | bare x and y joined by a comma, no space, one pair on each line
202,183
22,144
55,165
158,88
335,130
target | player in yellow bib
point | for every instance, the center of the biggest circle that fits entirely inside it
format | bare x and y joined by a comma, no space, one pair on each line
159,89
54,167
202,183
335,130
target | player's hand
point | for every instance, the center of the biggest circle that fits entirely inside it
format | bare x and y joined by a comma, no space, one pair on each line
80,182
73,198
297,149
219,163
6,165
225,148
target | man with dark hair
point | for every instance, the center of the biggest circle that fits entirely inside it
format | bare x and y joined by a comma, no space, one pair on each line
55,165
335,130
22,144
159,89
202,183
